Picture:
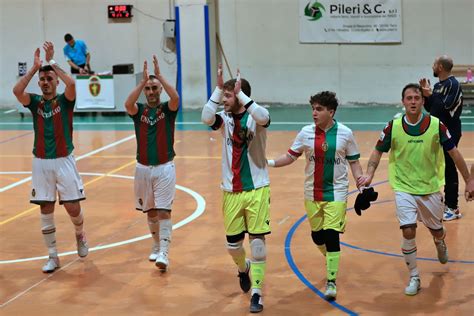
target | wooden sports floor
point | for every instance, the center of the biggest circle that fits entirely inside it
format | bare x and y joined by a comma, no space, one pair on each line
117,279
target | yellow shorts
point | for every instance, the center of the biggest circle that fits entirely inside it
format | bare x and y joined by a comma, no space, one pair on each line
247,211
326,215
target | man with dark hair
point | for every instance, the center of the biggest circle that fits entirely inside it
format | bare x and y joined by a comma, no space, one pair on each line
77,55
416,173
155,174
245,182
445,102
329,147
54,168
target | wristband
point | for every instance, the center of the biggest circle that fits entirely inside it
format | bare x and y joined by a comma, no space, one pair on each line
52,62
271,162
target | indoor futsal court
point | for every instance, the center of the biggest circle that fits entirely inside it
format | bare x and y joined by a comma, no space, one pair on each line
116,277
149,58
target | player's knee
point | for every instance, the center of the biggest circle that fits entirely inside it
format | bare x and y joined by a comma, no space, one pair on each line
235,248
257,247
318,237
332,240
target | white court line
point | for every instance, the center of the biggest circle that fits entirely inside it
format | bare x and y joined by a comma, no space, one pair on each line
201,205
9,111
284,220
36,284
19,182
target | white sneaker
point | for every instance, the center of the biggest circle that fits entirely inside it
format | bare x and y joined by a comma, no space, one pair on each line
82,246
51,265
413,286
450,214
442,250
154,252
162,261
331,291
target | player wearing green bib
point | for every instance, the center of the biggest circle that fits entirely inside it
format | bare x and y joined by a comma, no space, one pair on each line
416,173
155,175
54,168
329,147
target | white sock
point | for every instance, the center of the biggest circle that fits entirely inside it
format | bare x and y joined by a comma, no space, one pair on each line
154,225
258,291
409,253
165,234
78,222
49,233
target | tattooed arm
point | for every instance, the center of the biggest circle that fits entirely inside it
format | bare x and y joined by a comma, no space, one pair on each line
372,165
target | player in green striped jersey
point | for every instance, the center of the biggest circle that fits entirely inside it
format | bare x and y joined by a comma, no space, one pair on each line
245,182
329,147
155,175
54,168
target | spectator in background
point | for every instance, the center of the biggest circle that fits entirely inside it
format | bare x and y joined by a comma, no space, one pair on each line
445,102
77,55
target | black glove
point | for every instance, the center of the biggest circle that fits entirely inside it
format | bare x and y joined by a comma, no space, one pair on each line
363,199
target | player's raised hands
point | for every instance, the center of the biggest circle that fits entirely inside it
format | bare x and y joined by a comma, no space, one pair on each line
238,83
145,71
156,66
48,50
37,63
425,85
220,77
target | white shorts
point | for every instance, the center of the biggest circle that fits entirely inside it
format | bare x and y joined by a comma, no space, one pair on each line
425,208
59,174
155,186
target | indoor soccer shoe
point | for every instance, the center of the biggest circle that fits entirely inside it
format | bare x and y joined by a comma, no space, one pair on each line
413,286
442,250
51,265
244,278
154,253
331,291
82,247
450,214
162,261
256,303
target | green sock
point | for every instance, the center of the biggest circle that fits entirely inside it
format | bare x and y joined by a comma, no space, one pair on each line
322,248
257,272
332,264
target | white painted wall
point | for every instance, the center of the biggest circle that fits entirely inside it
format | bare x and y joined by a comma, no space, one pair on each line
260,37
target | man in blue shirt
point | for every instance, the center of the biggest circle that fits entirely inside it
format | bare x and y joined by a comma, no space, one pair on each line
445,102
77,55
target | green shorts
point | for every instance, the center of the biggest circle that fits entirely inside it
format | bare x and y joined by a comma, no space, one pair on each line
247,211
326,215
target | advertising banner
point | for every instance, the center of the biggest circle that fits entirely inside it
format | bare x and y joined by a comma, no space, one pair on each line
94,92
350,21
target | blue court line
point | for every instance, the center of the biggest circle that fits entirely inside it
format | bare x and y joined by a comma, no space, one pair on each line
298,273
15,137
291,262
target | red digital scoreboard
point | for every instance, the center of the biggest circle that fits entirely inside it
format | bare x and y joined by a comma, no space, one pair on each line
120,11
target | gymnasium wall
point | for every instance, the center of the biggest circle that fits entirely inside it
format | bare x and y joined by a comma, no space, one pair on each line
260,37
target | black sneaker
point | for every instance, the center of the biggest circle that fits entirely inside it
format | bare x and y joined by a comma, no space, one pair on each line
256,303
244,278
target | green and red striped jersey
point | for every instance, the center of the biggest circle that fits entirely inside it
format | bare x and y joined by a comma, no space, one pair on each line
244,166
154,131
52,122
327,153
